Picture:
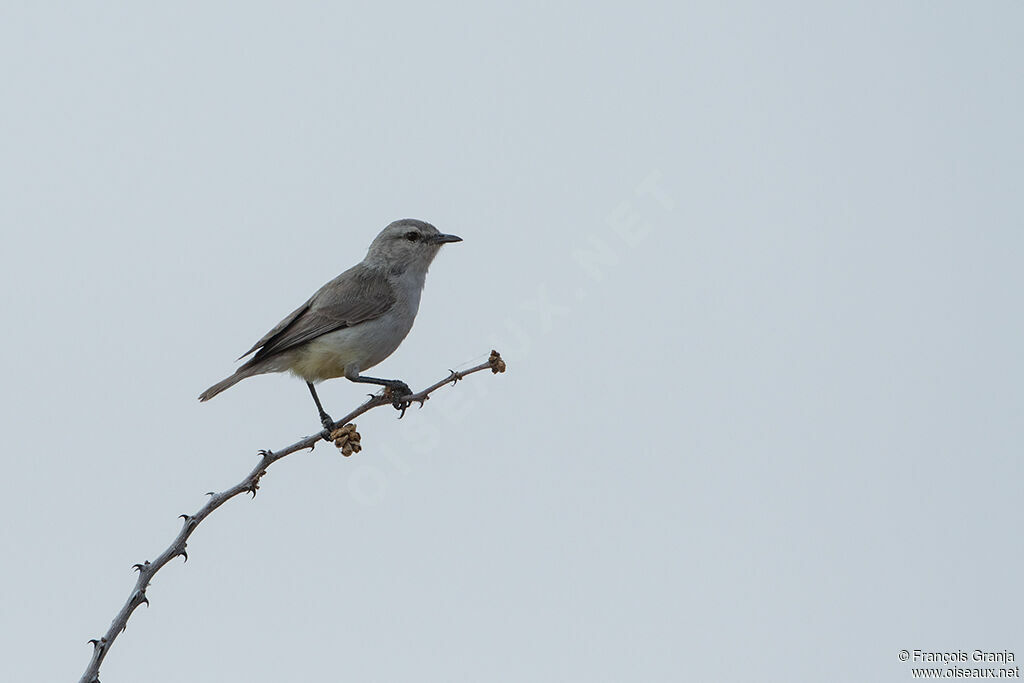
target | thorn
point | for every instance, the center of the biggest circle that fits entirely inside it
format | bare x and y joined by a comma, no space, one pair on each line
140,567
255,484
210,493
184,554
454,377
422,400
144,599
267,453
185,517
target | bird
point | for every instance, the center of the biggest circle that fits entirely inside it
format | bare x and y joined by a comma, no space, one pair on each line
354,321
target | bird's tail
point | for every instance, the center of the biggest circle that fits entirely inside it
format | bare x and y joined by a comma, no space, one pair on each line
246,370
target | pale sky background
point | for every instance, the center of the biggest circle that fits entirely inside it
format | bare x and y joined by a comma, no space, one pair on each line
755,268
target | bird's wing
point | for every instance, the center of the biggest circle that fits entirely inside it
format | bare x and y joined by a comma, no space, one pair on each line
357,295
279,328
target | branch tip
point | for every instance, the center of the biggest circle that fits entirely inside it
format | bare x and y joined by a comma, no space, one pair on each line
496,363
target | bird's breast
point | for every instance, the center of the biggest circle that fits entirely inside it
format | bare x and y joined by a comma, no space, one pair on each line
362,346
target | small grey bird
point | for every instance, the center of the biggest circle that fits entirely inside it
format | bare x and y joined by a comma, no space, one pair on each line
354,321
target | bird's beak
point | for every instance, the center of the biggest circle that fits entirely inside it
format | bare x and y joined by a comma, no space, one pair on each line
443,239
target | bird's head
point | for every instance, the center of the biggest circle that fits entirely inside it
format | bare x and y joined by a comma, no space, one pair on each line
407,244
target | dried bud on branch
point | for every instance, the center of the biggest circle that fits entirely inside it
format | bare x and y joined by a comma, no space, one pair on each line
347,439
495,362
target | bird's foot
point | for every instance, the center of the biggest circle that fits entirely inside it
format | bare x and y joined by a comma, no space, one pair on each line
397,390
326,420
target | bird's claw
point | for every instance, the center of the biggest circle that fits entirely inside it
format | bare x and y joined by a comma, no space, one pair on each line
397,390
401,406
407,403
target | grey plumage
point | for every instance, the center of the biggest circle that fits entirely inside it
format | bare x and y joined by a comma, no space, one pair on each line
357,295
354,321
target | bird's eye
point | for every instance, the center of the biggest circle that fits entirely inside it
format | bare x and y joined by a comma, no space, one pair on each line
412,235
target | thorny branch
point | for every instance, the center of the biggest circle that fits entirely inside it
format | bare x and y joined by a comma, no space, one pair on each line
341,433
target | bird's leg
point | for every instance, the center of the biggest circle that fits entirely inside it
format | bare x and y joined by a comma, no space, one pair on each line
325,419
395,385
398,389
